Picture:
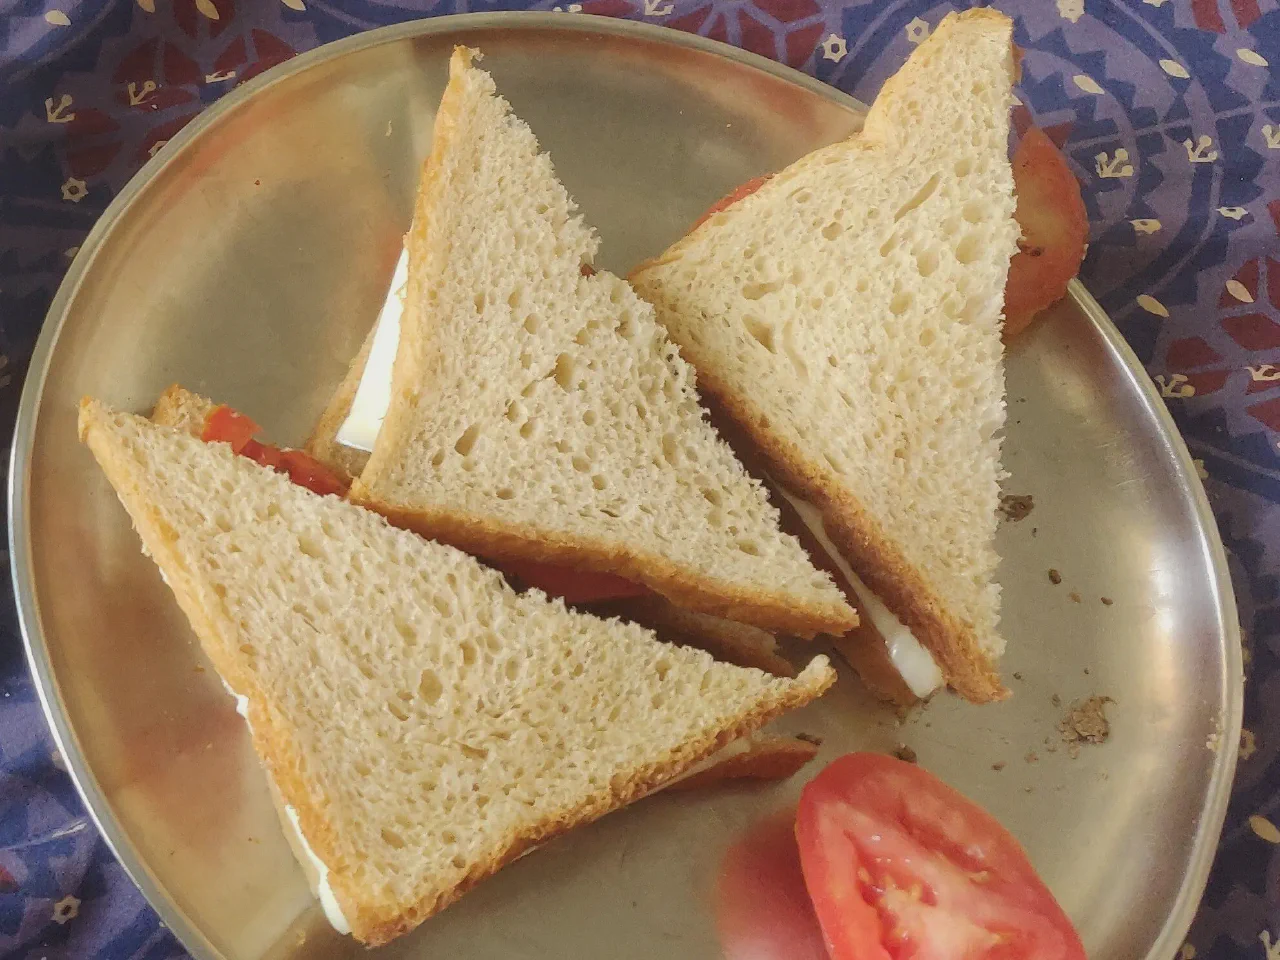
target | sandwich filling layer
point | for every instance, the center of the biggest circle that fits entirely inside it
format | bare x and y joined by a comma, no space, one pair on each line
318,875
909,656
373,396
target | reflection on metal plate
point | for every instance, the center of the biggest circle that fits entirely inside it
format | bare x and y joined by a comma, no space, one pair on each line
247,261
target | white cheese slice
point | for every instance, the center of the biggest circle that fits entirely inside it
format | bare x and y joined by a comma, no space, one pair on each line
910,658
373,395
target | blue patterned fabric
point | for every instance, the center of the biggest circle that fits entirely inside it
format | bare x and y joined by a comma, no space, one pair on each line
1168,109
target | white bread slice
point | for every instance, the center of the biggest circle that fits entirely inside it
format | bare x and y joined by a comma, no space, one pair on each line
426,723
540,413
848,316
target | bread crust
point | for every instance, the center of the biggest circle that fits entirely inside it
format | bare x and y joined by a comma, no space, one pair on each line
728,640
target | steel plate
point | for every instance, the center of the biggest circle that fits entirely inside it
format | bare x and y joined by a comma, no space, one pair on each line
248,259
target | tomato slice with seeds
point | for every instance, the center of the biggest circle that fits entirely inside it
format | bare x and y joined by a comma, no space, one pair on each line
902,867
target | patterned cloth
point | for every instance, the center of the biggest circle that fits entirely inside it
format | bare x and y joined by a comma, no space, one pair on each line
1168,109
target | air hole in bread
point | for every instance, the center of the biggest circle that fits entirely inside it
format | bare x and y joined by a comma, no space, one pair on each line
223,522
480,302
473,753
749,547
248,649
919,197
565,372
363,769
754,291
900,303
505,493
365,667
582,337
926,261
975,211
833,230
927,337
663,667
309,546
831,461
527,429
397,711
670,450
541,209
467,441
832,361
448,836
762,332
515,299
430,688
598,481
515,411
969,248
511,670
861,285
801,195
589,418
581,464
526,360
468,651
437,458
392,839
532,324
964,166
219,590
459,861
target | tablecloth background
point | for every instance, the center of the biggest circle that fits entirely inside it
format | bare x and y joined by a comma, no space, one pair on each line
1169,111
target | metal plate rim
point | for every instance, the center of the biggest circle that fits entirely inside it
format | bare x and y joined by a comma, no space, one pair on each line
36,649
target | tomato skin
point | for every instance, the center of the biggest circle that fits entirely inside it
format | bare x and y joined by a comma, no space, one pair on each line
1055,226
899,865
226,425
574,586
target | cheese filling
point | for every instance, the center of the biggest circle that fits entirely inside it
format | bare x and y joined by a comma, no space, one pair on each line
910,658
373,395
320,881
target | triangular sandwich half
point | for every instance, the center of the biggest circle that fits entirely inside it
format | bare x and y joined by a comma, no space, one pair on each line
847,316
538,412
422,723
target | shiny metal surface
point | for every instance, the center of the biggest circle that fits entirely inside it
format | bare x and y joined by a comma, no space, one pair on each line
247,261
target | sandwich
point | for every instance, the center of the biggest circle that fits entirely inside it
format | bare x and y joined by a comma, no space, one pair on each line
421,723
527,408
844,316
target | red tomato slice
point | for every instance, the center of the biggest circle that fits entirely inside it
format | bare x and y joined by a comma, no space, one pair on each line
574,586
1054,226
763,911
306,471
228,426
902,867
